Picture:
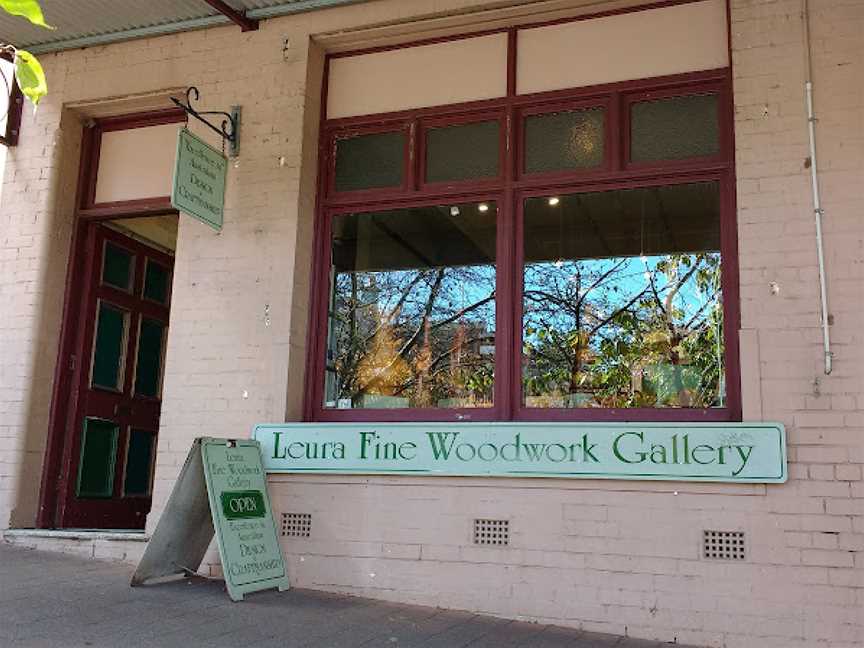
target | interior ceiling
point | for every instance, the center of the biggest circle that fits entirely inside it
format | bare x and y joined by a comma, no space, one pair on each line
91,22
158,230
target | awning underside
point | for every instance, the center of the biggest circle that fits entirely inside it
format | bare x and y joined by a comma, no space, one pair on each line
85,23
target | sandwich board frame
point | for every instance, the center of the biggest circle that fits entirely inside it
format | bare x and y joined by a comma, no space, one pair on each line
221,491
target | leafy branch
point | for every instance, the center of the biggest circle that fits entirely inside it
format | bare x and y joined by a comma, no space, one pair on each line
29,74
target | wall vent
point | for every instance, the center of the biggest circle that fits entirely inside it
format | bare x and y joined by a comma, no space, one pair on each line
296,525
492,532
723,545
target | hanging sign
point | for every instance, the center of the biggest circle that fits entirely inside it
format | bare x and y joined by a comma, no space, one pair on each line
716,452
199,180
221,489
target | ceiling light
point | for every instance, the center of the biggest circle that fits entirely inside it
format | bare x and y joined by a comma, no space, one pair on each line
454,211
554,200
483,207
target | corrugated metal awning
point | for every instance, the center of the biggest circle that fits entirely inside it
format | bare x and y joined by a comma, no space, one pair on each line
82,23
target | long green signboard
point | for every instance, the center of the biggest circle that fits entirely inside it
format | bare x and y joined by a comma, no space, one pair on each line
721,452
199,180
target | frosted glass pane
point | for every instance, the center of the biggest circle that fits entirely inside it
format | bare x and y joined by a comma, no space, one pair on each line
674,129
462,152
565,140
370,161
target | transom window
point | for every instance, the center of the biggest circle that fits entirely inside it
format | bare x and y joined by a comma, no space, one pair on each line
561,256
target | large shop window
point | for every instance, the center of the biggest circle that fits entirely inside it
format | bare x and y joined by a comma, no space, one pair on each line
569,257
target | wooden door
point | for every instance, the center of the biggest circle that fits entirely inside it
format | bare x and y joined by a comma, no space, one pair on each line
116,400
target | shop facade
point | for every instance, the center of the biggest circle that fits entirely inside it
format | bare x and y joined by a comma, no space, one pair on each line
552,213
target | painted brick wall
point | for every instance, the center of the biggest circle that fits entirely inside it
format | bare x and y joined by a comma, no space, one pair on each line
601,555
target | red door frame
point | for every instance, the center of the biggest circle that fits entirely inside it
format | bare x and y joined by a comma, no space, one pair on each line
56,471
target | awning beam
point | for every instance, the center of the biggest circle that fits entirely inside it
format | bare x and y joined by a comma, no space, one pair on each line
246,23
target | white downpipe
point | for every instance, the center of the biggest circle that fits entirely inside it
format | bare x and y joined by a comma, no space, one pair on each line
817,199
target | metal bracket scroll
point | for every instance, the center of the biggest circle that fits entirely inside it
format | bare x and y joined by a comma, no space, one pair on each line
228,130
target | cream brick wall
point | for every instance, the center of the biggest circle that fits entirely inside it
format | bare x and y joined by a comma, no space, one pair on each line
609,556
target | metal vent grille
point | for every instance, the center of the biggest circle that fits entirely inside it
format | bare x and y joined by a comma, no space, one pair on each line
491,532
723,545
296,525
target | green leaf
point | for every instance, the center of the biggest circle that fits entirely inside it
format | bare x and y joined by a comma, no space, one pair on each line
28,9
30,76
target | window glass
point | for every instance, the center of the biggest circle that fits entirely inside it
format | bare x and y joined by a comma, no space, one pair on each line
139,463
370,161
109,347
674,129
412,308
117,267
622,301
562,141
463,152
148,365
156,281
98,454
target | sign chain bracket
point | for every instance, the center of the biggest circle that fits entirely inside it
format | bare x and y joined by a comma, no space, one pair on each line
228,130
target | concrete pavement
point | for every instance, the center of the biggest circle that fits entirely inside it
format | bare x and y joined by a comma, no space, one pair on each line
51,600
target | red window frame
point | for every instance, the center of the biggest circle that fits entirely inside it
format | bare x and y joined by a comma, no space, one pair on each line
378,128
9,137
320,315
730,334
87,206
509,191
719,89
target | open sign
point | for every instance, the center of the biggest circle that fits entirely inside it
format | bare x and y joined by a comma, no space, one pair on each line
238,505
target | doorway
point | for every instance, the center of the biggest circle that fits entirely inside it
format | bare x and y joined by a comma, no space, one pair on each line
107,391
113,408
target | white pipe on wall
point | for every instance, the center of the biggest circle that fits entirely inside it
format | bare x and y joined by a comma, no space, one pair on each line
818,211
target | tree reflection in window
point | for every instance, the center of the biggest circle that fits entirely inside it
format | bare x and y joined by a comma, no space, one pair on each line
412,312
622,299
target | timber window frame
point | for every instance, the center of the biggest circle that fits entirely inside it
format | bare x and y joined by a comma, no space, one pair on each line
509,190
87,205
14,108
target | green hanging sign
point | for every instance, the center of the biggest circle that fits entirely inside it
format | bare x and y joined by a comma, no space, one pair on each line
199,180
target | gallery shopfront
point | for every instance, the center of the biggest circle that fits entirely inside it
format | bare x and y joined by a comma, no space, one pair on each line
524,302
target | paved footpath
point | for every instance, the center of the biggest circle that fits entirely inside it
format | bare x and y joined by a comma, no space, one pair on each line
55,600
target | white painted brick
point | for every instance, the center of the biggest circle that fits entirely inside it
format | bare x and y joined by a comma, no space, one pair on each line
597,555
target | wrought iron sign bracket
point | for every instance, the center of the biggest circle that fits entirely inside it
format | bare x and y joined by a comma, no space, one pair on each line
228,130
